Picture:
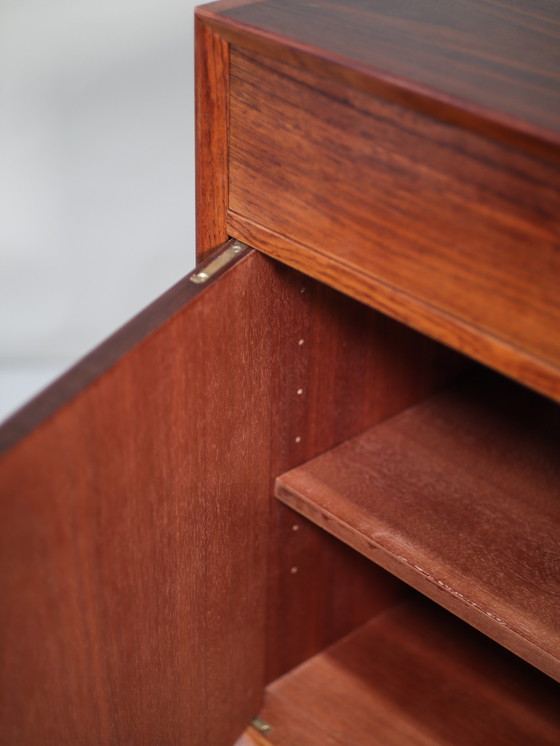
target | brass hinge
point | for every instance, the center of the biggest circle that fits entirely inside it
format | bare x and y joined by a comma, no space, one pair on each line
235,248
261,726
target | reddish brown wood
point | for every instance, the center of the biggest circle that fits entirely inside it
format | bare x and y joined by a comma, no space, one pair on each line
211,104
134,535
95,364
134,494
343,368
412,677
132,530
450,232
515,362
457,496
489,66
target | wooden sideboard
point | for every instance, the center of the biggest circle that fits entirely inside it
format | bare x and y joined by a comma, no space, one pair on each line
315,487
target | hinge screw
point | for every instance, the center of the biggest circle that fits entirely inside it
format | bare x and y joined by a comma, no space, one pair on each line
199,277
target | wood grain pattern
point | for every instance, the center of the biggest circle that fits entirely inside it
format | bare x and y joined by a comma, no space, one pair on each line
489,66
344,367
211,128
132,530
48,402
134,499
447,230
412,677
457,496
514,362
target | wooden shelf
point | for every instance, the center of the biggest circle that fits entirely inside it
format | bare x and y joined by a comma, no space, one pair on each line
460,497
414,676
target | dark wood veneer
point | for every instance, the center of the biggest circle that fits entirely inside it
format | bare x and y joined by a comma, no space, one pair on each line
486,65
458,226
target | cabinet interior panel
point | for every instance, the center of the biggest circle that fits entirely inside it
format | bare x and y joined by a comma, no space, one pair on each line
459,497
342,367
414,676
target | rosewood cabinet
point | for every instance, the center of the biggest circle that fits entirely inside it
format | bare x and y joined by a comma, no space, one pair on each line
311,495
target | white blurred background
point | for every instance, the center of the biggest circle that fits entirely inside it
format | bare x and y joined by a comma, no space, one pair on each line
96,174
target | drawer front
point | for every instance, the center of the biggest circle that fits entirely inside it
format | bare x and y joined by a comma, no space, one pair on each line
444,228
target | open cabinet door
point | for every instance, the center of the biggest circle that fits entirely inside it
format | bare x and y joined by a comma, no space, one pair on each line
132,517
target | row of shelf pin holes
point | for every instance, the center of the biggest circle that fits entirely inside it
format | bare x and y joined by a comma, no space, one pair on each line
299,392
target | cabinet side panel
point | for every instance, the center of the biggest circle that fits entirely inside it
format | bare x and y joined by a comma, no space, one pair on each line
349,367
132,527
211,103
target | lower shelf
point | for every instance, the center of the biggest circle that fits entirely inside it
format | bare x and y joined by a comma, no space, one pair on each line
414,676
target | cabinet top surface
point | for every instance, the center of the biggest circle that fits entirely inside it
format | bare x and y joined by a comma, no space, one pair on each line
495,59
